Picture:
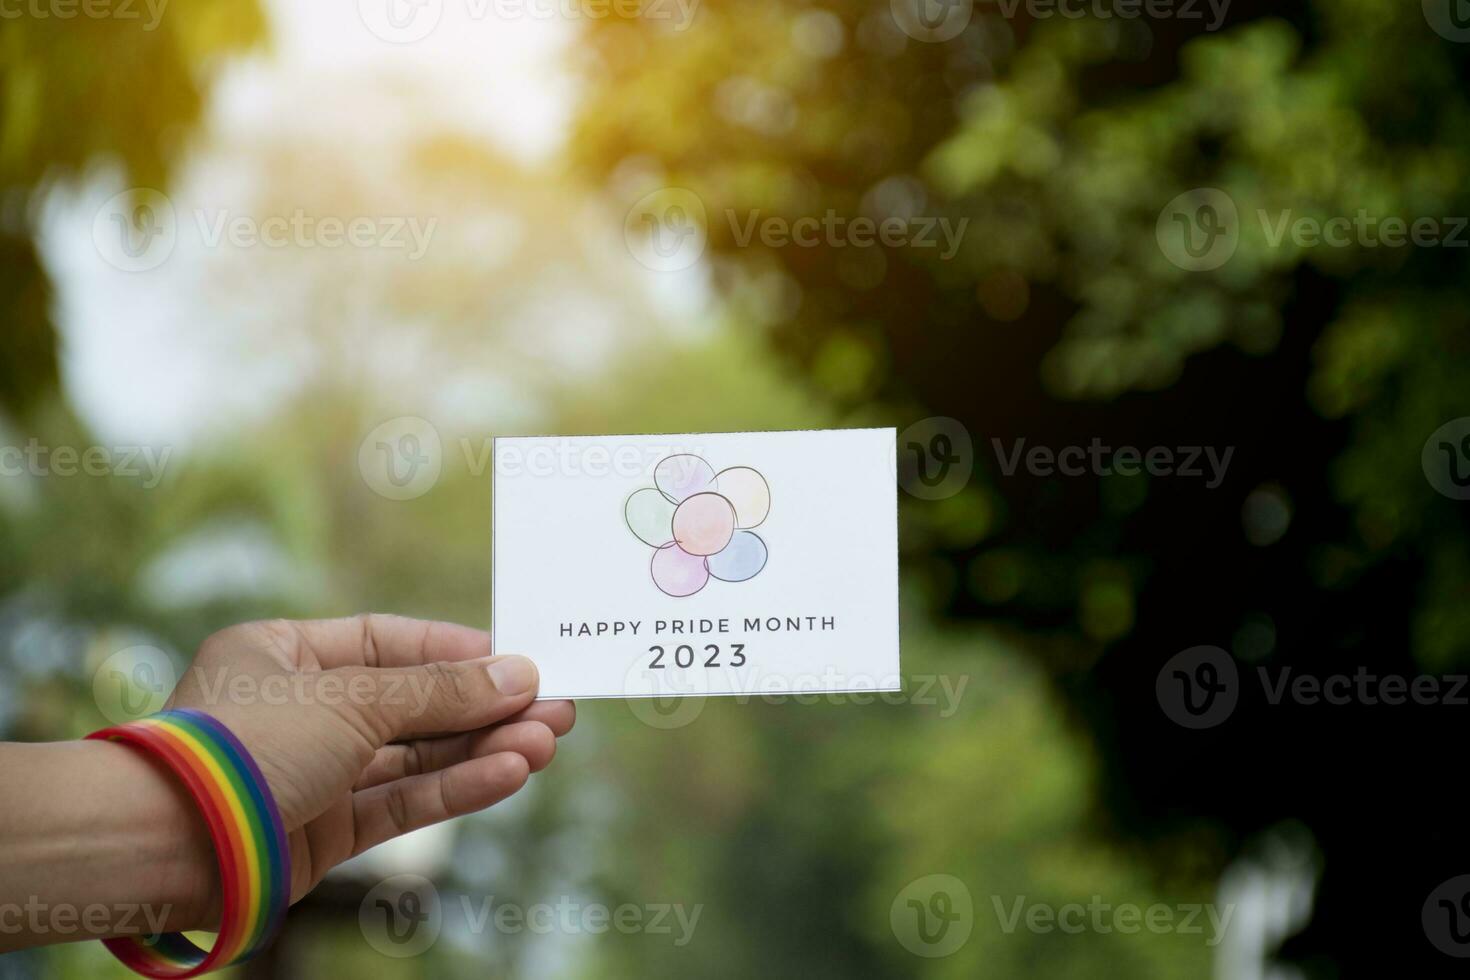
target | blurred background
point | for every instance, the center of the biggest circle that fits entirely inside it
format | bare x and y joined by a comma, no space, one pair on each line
248,244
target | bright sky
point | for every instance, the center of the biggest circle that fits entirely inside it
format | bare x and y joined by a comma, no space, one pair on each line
494,73
146,358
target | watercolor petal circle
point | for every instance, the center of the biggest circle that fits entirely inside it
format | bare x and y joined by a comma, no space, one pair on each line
678,573
680,477
741,560
650,516
747,492
704,524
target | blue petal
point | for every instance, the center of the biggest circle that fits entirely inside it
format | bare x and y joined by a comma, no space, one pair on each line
742,559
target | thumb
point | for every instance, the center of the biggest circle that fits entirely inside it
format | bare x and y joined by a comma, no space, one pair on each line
444,696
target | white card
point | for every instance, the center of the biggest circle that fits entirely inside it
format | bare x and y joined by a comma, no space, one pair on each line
732,563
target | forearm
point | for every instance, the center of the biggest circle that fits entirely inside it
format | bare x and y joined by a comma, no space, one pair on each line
97,840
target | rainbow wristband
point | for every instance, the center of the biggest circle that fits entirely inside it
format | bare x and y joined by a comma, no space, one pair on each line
254,863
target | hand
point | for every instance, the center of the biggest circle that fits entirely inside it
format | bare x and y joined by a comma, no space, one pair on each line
370,727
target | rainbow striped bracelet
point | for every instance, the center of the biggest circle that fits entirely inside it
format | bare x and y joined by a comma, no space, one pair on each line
254,862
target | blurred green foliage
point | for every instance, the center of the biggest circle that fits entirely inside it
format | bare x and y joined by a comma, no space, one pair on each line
1061,141
80,93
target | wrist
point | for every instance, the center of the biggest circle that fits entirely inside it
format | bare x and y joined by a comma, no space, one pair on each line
175,857
100,842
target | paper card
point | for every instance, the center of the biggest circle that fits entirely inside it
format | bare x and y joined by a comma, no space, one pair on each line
710,563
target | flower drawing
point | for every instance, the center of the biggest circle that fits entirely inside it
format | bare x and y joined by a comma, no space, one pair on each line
699,523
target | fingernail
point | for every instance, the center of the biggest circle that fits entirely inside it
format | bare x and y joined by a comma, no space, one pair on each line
512,675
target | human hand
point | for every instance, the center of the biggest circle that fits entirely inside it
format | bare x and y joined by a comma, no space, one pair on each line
370,727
